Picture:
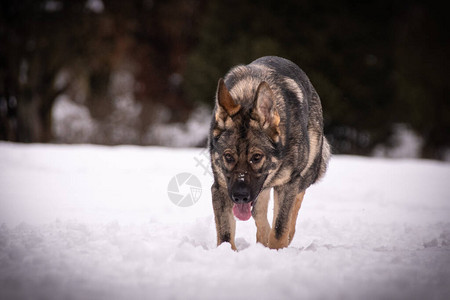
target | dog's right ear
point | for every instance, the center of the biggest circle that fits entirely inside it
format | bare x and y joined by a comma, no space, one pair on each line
226,106
266,112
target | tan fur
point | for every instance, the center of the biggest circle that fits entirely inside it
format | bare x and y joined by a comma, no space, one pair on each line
229,123
266,109
263,68
288,235
313,147
216,132
273,242
273,130
254,123
220,116
295,88
226,100
242,91
283,178
233,231
221,178
294,214
276,208
232,222
275,127
260,216
276,120
326,154
225,221
246,88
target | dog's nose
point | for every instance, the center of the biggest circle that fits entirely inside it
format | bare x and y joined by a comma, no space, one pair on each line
240,193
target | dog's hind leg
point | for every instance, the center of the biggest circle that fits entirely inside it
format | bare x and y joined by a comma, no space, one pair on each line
285,203
259,213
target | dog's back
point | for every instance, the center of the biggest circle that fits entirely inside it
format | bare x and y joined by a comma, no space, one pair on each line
299,108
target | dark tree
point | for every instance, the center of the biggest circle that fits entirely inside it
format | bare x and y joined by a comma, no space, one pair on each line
41,42
374,63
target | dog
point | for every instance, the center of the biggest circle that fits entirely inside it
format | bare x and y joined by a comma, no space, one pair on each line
266,132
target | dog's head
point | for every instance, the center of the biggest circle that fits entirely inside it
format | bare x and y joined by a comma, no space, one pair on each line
245,144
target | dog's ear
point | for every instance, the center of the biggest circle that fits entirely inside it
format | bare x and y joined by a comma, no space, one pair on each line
225,103
266,111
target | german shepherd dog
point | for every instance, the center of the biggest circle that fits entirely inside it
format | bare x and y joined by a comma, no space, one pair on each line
266,132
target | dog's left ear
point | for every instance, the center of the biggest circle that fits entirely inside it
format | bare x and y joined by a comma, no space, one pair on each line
225,101
226,107
266,110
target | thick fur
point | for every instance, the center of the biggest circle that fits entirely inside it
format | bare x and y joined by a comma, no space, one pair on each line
266,132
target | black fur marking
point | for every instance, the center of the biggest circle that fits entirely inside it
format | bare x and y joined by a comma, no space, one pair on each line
280,225
226,237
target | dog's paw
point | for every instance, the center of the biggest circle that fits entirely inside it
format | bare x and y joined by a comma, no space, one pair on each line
280,243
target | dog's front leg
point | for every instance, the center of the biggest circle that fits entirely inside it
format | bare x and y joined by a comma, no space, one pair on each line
285,199
259,213
223,214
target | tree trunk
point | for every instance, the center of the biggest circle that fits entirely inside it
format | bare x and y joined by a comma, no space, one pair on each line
34,120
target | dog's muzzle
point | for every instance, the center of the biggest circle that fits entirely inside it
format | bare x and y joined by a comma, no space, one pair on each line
240,193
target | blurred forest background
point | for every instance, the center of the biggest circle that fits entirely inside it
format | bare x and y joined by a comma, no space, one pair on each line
145,71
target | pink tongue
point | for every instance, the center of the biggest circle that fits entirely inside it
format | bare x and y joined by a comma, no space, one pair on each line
242,211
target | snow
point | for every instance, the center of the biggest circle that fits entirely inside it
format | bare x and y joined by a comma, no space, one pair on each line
191,133
94,222
405,143
72,122
95,6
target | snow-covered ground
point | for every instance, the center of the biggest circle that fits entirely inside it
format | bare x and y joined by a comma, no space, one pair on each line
92,222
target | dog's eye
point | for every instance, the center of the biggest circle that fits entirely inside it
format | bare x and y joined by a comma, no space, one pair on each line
256,158
229,158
